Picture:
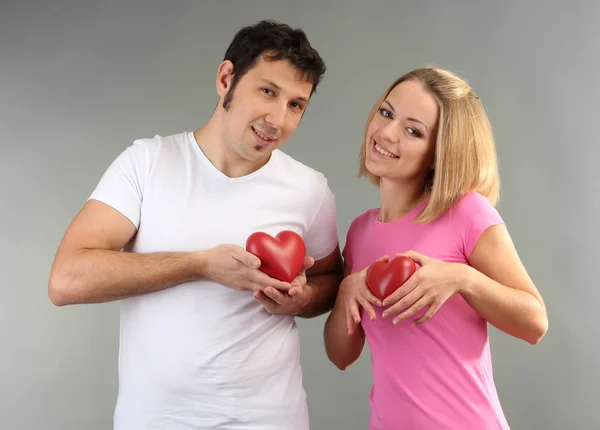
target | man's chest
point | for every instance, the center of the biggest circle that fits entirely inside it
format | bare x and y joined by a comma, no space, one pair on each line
203,216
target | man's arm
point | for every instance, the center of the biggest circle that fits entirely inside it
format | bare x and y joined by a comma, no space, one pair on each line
323,279
90,268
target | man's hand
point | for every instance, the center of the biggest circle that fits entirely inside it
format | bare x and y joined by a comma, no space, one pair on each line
236,268
292,302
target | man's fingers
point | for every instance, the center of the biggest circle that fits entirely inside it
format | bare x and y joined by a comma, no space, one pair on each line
266,281
246,258
276,296
308,263
295,291
269,305
253,286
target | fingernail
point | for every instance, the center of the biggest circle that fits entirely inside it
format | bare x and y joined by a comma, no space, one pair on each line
378,303
396,322
384,315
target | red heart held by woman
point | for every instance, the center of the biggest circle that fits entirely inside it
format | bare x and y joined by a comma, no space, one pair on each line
385,278
281,256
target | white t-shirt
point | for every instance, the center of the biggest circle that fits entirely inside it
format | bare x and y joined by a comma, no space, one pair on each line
201,355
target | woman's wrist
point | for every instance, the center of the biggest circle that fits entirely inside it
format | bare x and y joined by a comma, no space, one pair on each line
469,282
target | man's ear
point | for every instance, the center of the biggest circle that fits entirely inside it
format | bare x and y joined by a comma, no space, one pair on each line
224,77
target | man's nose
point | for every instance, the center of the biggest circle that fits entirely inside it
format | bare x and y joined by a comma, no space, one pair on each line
276,116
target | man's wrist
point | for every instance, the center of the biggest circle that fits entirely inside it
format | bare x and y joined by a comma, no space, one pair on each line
199,265
307,299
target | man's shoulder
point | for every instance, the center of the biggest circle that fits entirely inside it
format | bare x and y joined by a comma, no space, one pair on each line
297,169
159,141
150,149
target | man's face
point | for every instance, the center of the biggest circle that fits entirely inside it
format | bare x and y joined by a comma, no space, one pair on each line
267,105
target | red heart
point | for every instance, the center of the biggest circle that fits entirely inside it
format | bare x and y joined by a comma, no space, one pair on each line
385,278
281,257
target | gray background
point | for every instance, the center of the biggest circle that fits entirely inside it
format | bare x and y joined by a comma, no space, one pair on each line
80,80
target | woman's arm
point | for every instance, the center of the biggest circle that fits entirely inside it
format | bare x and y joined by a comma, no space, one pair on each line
495,284
344,337
501,290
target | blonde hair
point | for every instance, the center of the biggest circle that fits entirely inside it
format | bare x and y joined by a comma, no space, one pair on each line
465,152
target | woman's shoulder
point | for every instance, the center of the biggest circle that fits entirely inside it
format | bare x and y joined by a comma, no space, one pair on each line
472,204
470,216
364,219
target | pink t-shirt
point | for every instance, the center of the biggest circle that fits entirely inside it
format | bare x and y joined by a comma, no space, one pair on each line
436,375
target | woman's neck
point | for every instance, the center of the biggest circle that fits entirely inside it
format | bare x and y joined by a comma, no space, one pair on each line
399,198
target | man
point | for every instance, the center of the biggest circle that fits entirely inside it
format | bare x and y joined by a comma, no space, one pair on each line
208,340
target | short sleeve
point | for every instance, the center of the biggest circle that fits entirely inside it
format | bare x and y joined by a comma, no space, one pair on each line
347,252
122,185
471,216
322,237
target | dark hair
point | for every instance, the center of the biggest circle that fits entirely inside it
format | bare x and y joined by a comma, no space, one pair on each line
273,41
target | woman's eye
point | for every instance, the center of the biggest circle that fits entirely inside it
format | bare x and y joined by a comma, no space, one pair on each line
413,132
384,112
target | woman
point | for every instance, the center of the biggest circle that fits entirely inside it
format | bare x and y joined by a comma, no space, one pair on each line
429,148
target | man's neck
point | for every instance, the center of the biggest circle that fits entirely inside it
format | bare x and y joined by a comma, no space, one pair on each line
231,164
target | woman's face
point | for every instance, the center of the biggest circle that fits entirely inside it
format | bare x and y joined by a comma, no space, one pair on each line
400,140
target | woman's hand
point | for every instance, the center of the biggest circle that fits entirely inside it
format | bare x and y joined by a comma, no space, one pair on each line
430,286
355,293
